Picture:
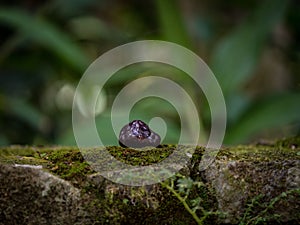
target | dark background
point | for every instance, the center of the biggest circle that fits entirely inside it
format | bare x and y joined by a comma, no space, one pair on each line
253,48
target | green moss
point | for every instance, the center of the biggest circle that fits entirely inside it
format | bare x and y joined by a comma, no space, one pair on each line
69,163
290,143
17,150
258,208
141,157
260,153
20,155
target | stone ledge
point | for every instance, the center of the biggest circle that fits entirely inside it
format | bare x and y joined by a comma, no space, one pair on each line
54,185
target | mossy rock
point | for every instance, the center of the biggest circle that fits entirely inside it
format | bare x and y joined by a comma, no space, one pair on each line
244,185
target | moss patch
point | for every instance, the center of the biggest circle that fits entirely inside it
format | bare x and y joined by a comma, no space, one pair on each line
246,170
141,157
285,149
69,163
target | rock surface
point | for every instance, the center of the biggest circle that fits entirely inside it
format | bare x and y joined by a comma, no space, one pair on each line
29,195
244,185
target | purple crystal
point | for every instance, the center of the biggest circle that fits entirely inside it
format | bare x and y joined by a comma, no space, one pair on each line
137,134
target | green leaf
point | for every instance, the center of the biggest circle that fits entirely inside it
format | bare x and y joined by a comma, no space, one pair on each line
184,184
3,140
171,22
272,112
47,35
236,56
104,128
25,111
236,106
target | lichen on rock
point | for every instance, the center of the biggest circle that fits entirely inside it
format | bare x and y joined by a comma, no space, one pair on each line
244,184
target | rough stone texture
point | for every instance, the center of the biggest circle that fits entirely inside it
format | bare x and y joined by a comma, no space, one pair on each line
33,195
236,182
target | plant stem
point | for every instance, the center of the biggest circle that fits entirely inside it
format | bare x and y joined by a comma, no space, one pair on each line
186,206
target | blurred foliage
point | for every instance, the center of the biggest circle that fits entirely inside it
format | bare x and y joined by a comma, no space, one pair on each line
252,47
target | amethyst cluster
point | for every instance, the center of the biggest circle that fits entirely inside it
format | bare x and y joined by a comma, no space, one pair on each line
137,134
